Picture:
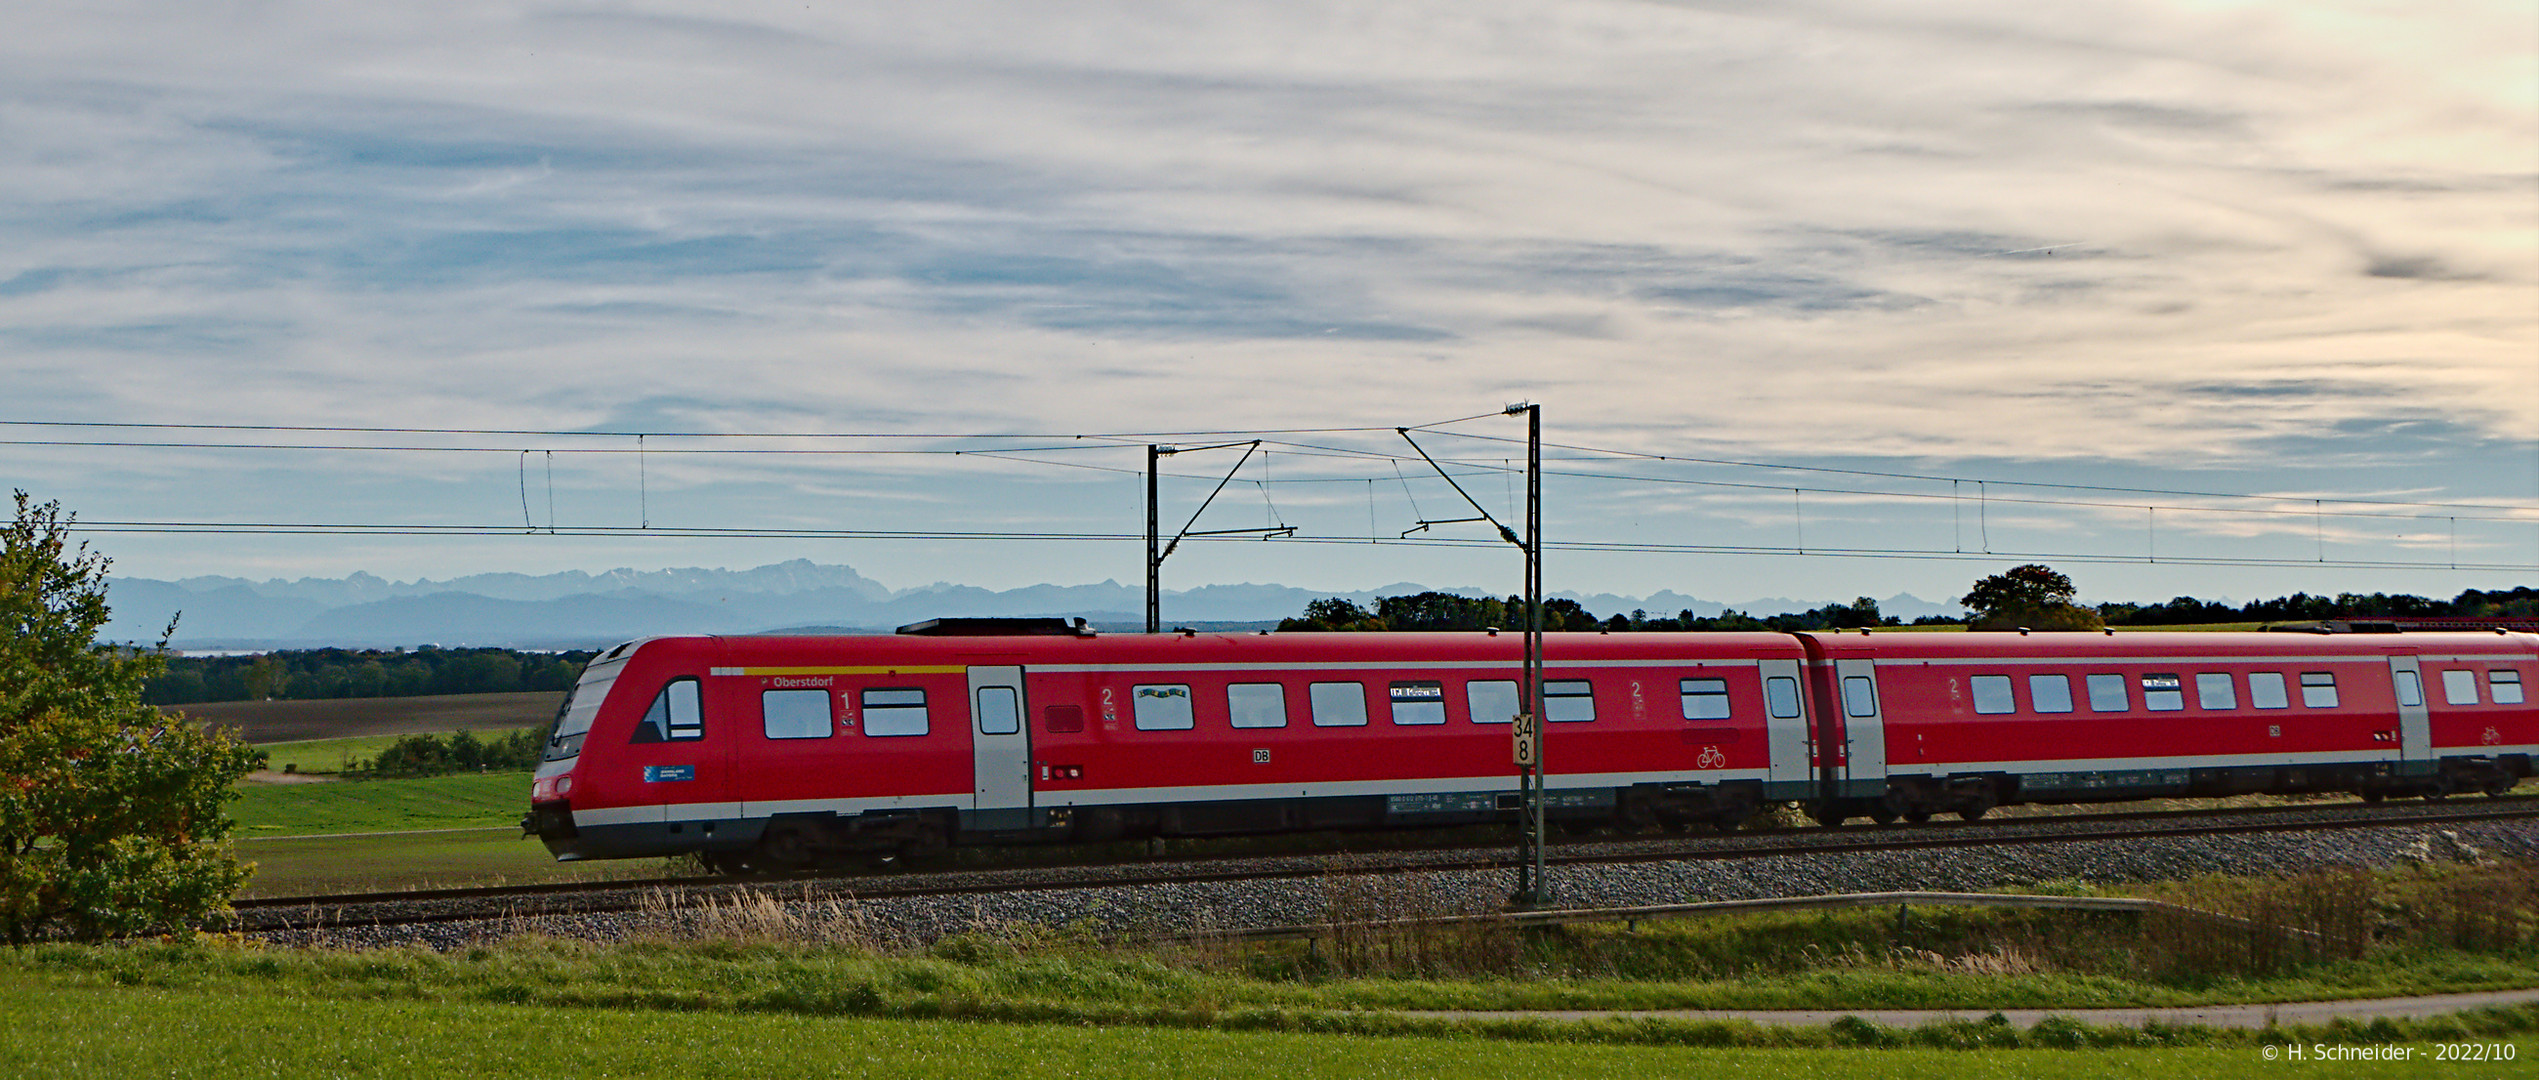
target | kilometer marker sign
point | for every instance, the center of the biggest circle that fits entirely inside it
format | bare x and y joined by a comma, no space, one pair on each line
1528,733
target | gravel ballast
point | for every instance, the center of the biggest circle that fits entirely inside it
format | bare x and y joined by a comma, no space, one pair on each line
1334,893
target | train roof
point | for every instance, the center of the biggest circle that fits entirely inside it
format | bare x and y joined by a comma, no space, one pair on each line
2084,644
1393,648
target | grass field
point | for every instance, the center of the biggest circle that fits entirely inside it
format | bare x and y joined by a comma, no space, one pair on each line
749,986
57,1031
348,806
362,835
319,866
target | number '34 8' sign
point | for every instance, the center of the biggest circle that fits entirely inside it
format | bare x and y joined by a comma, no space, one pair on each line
1528,733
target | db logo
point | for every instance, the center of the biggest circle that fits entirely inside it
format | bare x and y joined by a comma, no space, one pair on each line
2492,737
1711,758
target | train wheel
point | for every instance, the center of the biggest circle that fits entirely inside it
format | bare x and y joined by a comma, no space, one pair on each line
782,850
1917,816
2372,797
1828,817
1883,815
1972,813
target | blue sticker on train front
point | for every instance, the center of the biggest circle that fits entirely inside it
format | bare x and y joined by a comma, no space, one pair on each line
654,774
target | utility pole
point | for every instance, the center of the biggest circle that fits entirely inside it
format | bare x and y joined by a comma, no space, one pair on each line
1526,731
1155,554
1154,562
1531,890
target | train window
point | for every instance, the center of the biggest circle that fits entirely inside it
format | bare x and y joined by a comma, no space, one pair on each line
1419,702
900,711
2214,691
1860,697
1338,704
1570,701
2107,694
2265,690
1704,699
2050,693
1992,694
2459,686
1780,697
1256,704
1493,701
2163,693
1162,707
2504,687
2318,689
795,714
2410,689
675,714
998,712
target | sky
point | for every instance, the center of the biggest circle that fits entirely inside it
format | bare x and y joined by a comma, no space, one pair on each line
2176,297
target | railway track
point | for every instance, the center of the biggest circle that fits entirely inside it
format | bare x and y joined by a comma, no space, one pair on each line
584,898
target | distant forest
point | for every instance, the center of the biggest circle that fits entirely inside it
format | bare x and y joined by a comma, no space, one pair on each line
1447,611
363,673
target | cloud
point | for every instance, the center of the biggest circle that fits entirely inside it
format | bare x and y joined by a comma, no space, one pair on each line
2164,236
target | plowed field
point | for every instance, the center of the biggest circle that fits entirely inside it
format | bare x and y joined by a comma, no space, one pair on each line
288,721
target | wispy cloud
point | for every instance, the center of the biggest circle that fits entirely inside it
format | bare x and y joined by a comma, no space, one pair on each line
2155,237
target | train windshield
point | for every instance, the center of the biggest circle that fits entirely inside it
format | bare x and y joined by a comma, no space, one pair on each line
573,718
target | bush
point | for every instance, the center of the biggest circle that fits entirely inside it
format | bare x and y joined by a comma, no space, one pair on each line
435,755
111,815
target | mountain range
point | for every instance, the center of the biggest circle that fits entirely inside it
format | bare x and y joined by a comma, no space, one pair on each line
581,610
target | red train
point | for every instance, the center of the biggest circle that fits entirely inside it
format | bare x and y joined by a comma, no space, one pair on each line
771,752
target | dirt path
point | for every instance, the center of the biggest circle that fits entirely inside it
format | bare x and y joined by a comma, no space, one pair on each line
2216,1016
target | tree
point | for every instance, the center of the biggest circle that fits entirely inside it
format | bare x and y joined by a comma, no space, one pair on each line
1331,613
1440,611
2032,596
111,814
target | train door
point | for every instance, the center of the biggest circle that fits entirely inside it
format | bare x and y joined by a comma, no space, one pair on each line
1785,730
1864,728
1000,743
669,760
2415,726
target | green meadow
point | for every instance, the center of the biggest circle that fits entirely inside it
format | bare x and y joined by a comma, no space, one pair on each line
100,1031
331,833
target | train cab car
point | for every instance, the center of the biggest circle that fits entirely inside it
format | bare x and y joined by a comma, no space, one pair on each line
764,752
1960,722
